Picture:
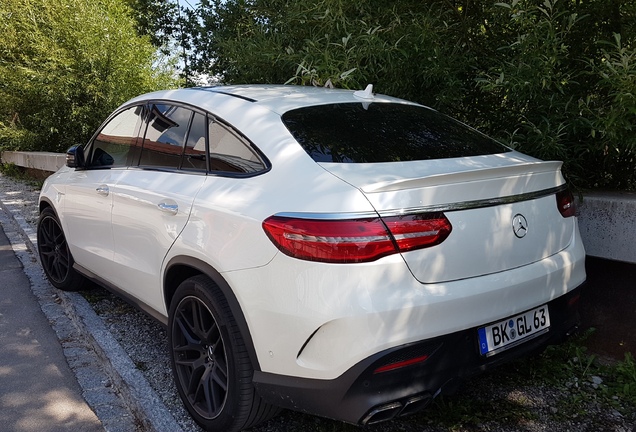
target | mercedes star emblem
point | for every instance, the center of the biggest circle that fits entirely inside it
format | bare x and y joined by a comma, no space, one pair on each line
520,225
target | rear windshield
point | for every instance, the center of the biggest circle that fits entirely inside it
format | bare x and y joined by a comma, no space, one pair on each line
383,132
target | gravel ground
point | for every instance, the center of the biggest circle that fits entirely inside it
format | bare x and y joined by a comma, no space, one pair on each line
497,401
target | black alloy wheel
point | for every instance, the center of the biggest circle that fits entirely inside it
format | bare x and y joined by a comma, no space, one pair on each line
211,367
55,255
200,358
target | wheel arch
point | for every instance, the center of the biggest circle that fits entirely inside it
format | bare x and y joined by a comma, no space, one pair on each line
181,268
45,203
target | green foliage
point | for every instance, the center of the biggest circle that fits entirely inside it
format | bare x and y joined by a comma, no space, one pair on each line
555,79
564,89
570,365
20,173
399,46
612,112
64,66
578,376
170,28
622,386
157,19
11,170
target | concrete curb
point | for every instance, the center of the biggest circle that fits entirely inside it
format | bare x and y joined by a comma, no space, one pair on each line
607,221
116,391
44,161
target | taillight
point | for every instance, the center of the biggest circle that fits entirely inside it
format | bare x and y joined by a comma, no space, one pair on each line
419,230
565,203
355,240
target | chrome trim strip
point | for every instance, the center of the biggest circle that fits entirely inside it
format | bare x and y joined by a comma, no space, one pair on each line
329,216
466,205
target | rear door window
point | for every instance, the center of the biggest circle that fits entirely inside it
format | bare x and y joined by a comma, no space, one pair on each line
384,132
165,136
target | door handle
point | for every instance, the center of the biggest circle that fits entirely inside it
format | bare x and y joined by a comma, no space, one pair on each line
103,190
168,208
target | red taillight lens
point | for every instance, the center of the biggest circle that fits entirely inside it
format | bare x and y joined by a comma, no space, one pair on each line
418,231
565,203
354,240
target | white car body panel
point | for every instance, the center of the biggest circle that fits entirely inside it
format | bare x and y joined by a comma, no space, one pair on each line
143,232
482,239
484,242
338,315
85,216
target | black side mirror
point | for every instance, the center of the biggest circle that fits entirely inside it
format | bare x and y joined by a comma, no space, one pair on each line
75,157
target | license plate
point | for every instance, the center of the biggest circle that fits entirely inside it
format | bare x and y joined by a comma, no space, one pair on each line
512,331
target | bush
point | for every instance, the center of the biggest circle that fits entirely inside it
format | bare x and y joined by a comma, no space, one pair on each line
64,66
613,117
564,92
540,76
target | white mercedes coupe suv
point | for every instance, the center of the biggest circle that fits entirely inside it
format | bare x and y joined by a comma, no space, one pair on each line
345,254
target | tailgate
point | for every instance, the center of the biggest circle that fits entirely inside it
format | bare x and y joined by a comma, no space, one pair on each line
503,211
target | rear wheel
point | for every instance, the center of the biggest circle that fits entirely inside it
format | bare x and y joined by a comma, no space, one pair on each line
211,366
55,255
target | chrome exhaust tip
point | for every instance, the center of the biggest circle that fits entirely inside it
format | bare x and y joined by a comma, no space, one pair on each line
394,409
382,413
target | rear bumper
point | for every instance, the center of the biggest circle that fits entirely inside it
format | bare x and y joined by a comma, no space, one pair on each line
362,395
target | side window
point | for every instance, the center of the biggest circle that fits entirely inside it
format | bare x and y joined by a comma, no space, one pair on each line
231,153
194,154
114,142
165,136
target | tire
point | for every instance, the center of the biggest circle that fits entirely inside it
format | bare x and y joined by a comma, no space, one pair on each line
211,366
55,255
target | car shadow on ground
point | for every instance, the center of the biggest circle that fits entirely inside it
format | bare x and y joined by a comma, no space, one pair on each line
608,305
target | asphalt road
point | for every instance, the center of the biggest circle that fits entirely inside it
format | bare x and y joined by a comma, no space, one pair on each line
38,390
109,383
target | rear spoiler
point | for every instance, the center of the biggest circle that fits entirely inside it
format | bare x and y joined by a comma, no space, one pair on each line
526,169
